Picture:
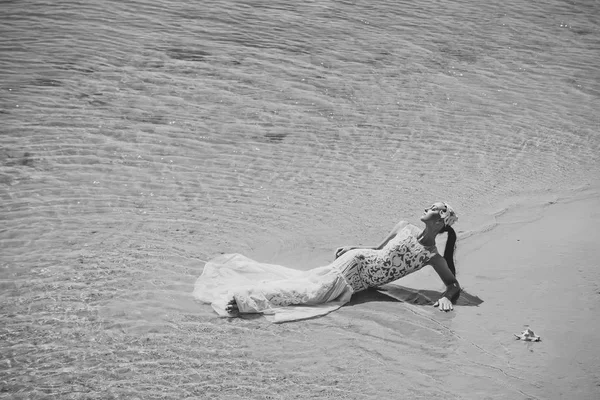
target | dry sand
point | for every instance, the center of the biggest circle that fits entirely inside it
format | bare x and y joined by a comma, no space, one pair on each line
65,335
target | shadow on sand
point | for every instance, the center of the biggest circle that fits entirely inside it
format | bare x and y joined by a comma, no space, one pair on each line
391,292
421,297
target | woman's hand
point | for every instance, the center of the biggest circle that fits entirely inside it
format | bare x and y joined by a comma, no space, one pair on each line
444,304
341,250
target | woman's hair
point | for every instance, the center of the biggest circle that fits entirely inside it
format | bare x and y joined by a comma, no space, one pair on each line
450,245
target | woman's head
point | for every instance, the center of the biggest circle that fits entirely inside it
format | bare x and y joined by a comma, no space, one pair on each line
440,214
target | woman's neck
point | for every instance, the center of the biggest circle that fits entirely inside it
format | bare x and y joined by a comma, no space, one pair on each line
427,237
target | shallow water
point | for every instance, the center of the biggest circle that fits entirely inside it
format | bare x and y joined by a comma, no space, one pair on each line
140,138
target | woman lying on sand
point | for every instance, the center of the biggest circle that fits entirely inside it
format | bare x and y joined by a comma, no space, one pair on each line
236,285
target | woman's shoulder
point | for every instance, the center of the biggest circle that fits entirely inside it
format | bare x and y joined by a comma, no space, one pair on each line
405,228
411,228
401,226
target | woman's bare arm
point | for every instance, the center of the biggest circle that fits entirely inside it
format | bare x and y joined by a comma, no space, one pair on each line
399,226
452,287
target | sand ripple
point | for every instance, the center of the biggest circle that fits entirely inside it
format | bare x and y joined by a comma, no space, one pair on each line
141,138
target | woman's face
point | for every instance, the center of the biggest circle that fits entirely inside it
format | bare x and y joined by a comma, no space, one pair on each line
433,213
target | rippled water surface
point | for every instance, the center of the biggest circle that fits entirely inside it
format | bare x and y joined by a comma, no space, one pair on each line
140,138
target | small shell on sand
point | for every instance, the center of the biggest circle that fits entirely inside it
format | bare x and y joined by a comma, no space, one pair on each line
528,336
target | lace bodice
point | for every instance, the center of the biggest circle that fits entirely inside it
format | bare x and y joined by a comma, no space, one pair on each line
401,256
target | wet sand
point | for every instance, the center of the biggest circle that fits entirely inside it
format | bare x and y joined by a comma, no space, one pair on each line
67,334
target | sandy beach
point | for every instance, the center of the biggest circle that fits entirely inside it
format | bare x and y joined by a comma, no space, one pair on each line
540,274
140,139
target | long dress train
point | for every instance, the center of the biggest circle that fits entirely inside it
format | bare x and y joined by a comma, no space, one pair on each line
280,293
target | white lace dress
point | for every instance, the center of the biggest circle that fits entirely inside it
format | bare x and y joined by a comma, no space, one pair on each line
284,294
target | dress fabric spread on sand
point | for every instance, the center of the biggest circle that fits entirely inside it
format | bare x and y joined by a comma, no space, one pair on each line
285,294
